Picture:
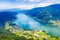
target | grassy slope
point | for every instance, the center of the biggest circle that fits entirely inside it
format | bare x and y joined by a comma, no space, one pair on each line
6,34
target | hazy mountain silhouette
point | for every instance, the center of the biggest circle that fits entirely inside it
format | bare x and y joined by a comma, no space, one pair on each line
51,12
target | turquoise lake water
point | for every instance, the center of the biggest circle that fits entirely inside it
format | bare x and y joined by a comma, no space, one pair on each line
51,30
27,22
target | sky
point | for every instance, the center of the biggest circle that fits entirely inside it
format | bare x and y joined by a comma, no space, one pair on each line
26,4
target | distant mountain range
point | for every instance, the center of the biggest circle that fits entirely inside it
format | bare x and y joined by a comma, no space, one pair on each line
51,12
13,10
41,15
6,16
9,15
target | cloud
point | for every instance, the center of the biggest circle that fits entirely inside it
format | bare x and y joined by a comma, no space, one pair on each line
53,1
11,6
35,0
26,4
44,4
39,1
30,1
6,6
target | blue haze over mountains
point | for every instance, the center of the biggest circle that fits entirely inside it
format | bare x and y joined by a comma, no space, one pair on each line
34,16
42,13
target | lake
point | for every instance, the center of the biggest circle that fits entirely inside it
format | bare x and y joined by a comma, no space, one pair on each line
27,23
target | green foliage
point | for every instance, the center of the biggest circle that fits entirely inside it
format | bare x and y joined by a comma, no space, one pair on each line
6,34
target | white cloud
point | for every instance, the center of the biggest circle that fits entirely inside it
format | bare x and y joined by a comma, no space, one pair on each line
53,1
11,6
27,5
40,1
31,1
7,6
35,0
44,4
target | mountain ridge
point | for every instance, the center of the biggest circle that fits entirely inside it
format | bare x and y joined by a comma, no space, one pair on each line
51,12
